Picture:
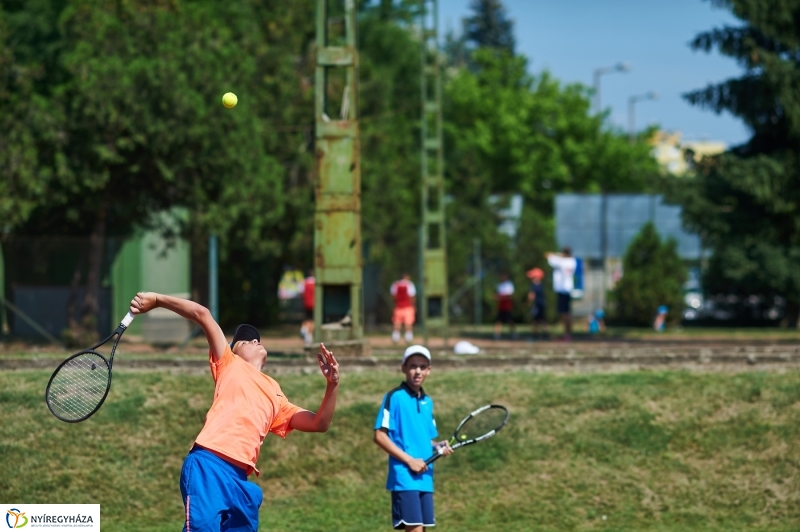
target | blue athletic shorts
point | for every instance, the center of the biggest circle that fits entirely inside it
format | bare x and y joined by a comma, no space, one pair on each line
412,508
217,496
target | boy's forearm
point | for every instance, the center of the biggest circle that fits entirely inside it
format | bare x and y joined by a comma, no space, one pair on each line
324,415
384,442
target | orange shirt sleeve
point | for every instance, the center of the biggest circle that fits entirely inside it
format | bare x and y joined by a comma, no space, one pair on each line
280,423
217,367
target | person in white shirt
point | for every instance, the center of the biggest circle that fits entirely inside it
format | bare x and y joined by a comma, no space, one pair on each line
564,265
505,305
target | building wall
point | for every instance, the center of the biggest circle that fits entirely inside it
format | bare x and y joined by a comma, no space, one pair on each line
677,156
599,229
148,263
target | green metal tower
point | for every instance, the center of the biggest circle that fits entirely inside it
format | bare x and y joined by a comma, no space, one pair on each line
433,249
337,218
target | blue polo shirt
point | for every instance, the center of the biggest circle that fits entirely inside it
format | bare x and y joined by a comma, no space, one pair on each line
408,419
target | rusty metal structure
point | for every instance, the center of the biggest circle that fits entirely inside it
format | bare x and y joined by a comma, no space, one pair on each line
433,250
337,217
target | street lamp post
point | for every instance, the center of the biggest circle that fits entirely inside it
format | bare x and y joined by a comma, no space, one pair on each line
619,67
632,110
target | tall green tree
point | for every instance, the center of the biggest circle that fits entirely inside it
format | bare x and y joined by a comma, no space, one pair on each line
653,276
488,26
390,150
746,203
133,124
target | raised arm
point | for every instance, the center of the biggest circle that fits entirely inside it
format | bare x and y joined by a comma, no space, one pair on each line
147,301
319,421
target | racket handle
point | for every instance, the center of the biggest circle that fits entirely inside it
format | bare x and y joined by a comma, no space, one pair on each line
126,321
433,458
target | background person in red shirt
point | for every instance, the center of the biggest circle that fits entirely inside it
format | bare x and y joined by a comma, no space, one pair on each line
404,293
307,327
504,305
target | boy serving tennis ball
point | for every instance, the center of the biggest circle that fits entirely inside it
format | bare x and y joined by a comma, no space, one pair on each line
247,405
405,429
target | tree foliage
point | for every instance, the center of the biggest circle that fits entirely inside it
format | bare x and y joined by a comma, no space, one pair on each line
653,276
746,202
511,132
110,113
489,26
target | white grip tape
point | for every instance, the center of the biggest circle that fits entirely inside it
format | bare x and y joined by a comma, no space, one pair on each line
126,321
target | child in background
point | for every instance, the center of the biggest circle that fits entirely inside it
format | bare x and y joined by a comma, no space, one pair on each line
405,299
309,293
504,306
537,303
596,321
661,318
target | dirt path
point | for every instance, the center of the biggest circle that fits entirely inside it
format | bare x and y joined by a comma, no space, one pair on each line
287,355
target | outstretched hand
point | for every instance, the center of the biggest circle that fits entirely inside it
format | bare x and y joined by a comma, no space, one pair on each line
143,302
328,365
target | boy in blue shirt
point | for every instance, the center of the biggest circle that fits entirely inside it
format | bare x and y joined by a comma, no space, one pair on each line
405,429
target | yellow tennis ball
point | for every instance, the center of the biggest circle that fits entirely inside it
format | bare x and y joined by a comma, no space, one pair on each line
229,100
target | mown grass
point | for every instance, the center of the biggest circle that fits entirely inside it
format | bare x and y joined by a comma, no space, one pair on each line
648,450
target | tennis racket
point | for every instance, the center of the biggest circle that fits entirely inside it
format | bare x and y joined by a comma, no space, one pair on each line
80,384
481,424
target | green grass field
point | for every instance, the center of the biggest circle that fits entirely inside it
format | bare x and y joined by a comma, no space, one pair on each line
649,450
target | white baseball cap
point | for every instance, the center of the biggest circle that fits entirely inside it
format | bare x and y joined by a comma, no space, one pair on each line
416,350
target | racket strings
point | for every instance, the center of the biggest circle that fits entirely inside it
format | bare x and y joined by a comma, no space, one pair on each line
79,386
483,423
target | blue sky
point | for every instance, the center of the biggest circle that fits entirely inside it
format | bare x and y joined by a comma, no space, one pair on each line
571,38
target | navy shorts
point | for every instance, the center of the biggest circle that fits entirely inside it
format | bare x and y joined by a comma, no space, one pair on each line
564,303
537,313
217,495
412,508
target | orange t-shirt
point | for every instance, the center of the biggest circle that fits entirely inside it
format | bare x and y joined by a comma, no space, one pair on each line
247,405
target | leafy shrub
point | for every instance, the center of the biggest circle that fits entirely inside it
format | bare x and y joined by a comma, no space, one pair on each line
653,275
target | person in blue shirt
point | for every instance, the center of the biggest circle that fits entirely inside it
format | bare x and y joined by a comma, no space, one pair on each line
661,318
406,430
596,322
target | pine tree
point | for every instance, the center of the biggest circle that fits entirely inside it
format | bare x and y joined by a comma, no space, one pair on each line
489,26
653,275
745,202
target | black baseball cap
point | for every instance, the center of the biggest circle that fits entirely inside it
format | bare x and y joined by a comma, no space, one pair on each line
245,332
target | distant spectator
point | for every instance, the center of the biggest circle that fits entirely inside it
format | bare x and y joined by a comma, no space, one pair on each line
596,321
661,318
537,302
309,289
564,265
404,293
504,305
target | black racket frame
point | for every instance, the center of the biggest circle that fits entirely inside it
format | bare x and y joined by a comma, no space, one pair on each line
471,441
109,361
